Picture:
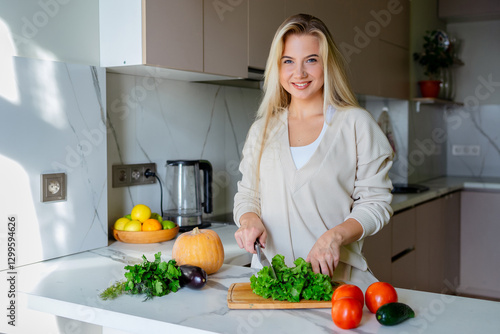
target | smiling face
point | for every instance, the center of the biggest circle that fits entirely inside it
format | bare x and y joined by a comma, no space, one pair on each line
301,68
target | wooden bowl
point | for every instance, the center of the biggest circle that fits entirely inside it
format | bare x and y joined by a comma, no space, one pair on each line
145,237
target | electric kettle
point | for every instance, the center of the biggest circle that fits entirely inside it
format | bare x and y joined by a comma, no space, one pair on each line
186,201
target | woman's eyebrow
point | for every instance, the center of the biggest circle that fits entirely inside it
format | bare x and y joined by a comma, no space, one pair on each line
311,55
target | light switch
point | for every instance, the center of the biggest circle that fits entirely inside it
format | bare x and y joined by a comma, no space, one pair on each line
53,187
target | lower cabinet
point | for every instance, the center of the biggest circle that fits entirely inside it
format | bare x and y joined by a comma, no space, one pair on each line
419,248
480,249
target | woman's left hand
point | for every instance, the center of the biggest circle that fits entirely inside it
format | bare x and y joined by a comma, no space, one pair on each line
325,254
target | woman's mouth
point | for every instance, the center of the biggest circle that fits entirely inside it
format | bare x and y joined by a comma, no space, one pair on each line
301,85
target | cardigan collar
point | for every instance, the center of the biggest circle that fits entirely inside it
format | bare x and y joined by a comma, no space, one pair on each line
296,178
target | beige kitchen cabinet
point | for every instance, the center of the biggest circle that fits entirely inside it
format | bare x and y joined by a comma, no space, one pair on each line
377,252
403,258
181,35
479,246
430,246
419,249
225,36
264,18
461,10
451,217
394,17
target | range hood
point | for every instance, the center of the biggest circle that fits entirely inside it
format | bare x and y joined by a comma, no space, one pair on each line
254,80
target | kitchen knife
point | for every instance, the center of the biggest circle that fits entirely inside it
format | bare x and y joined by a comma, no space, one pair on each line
263,259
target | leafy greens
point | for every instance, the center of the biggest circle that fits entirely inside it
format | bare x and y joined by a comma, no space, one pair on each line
291,284
157,278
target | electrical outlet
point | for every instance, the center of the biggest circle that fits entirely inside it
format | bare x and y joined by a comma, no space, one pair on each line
466,150
132,175
53,187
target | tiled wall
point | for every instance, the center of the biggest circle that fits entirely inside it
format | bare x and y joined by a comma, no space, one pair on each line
52,120
155,120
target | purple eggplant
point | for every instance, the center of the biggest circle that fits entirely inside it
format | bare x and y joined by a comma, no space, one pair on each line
192,276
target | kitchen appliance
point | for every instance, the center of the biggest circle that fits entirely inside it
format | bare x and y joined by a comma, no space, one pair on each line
186,200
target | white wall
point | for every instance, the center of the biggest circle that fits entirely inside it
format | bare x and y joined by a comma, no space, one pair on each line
39,29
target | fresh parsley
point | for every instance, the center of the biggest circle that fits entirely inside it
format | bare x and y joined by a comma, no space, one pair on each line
157,278
291,284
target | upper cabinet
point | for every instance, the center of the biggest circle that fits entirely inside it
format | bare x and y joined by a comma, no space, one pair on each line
264,18
178,36
222,39
466,10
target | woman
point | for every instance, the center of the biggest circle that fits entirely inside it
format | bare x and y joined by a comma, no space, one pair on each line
315,165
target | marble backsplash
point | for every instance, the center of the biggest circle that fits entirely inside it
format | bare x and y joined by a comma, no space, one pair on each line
477,126
53,121
155,120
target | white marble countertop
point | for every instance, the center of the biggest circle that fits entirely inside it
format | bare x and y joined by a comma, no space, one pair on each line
442,186
69,287
133,252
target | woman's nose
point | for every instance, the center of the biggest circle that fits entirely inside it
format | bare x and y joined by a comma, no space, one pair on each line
300,71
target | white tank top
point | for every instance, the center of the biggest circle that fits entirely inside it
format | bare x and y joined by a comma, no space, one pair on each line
302,154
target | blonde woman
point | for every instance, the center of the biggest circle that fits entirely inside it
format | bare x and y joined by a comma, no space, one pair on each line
315,165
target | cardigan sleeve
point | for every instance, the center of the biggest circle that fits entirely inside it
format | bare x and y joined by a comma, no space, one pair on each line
247,198
372,186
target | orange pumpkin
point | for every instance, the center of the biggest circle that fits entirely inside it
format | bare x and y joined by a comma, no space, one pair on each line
202,248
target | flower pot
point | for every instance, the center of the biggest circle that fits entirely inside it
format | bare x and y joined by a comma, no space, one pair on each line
429,88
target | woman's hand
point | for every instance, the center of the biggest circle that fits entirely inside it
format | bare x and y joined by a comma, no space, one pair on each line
251,229
325,254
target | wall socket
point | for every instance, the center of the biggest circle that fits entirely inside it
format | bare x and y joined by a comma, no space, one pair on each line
462,150
53,187
132,175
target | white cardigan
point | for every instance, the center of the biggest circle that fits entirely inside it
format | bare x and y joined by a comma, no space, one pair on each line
346,177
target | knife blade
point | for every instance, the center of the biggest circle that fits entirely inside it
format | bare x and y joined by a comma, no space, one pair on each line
263,259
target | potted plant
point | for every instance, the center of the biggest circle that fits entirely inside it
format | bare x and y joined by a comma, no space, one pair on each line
436,56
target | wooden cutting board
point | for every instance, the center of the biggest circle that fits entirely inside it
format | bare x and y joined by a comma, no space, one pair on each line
240,296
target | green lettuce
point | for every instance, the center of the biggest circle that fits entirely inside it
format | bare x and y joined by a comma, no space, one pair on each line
291,284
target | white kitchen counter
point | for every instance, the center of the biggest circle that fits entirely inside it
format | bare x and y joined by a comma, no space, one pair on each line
69,287
132,253
442,186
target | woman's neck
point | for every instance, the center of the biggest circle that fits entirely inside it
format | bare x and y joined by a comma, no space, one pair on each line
301,109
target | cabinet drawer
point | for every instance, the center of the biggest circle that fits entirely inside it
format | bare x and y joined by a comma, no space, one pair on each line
403,231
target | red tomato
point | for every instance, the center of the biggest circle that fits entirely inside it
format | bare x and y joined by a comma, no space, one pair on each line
378,294
347,312
348,290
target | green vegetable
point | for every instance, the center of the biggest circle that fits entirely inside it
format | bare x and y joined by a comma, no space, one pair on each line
394,313
156,278
291,284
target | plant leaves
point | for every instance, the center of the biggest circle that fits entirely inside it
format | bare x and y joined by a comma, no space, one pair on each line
292,284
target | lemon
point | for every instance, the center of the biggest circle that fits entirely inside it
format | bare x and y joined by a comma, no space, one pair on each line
133,225
141,213
120,223
168,224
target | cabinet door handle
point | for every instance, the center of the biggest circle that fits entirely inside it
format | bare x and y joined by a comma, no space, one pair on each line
402,253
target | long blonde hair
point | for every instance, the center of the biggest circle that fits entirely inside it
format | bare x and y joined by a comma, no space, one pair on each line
336,90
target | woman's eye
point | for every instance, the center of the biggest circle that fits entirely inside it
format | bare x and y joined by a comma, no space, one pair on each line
312,60
287,61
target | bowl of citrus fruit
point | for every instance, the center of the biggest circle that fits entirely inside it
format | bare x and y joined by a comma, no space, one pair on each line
142,226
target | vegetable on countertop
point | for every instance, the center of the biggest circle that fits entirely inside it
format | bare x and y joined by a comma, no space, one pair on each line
292,284
378,294
394,313
193,277
202,248
155,279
